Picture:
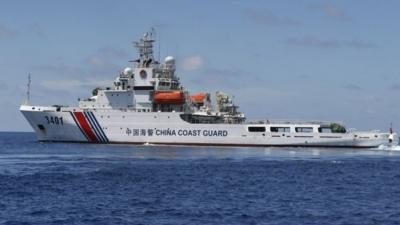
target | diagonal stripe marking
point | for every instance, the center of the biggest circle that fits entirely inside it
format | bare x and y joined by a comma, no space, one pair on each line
85,126
94,126
79,126
100,128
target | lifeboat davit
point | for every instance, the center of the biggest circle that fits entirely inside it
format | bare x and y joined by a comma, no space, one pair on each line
170,97
198,98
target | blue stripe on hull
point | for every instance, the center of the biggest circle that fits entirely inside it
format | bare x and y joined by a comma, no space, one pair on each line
98,125
94,127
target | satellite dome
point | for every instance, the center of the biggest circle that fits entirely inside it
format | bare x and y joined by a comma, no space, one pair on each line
128,71
169,60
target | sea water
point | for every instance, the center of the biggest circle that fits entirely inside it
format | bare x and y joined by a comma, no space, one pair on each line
61,183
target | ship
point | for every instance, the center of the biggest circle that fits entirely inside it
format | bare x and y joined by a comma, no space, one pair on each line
147,104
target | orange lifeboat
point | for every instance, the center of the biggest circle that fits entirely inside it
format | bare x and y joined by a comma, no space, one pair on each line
198,98
170,97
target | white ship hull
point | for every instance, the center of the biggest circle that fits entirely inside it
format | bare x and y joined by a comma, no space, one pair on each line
167,128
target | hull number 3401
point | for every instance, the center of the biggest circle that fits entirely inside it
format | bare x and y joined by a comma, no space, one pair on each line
54,120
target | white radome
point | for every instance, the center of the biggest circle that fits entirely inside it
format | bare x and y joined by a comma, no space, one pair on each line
169,60
128,71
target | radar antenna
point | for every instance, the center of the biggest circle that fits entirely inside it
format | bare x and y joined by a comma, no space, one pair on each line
145,48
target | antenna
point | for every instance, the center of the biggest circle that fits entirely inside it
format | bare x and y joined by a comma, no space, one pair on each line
177,52
28,90
159,46
157,37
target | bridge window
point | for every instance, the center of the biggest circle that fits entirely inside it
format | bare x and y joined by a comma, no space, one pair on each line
325,130
256,129
280,129
304,129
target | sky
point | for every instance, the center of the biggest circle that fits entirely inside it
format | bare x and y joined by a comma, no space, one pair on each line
282,59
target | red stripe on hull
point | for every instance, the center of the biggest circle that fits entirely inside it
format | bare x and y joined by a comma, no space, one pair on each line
85,126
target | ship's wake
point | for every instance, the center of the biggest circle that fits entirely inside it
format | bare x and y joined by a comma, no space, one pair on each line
389,147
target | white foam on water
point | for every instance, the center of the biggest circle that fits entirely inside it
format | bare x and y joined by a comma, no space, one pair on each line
316,152
389,147
267,151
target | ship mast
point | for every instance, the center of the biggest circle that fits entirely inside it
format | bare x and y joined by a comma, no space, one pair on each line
28,91
145,49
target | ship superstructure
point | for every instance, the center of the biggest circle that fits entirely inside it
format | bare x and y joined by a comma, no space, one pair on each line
148,104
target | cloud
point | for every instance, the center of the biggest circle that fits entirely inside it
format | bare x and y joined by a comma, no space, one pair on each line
192,63
269,19
105,56
353,87
95,61
226,78
320,43
112,52
7,33
4,88
106,61
61,69
3,85
38,30
72,85
395,87
330,10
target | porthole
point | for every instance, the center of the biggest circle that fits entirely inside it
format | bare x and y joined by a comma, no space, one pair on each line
143,74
